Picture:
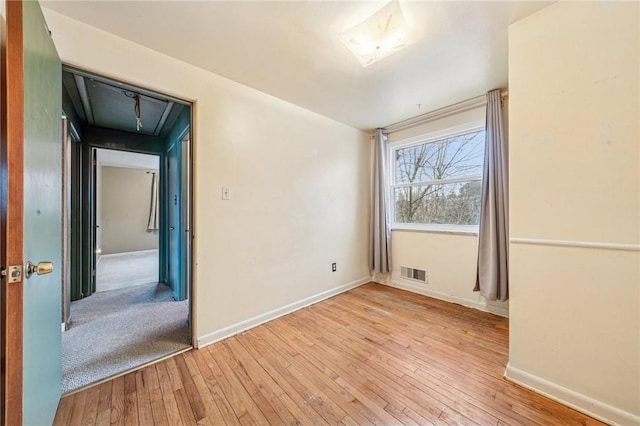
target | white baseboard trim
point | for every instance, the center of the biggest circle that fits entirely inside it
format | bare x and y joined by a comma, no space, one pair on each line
420,289
589,406
234,329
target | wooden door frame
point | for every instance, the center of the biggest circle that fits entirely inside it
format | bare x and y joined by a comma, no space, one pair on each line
11,210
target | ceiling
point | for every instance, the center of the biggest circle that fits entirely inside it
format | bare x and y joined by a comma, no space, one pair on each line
105,103
291,49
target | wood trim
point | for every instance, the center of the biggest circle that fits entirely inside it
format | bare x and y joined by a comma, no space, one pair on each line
12,211
576,244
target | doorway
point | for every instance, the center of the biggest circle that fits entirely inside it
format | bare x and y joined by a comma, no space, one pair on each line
130,271
127,242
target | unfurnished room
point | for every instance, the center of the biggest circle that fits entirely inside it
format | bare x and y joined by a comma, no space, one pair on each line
320,212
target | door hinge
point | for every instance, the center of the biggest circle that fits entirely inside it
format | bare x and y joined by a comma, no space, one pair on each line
93,273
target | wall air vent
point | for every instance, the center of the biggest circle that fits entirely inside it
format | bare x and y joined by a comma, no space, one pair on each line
413,274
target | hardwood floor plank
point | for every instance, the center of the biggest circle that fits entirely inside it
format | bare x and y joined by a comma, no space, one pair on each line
130,383
362,410
65,409
167,390
193,396
158,409
275,396
172,373
217,396
130,412
104,401
117,401
78,409
145,414
372,355
276,367
90,412
232,390
220,354
184,408
103,418
331,350
311,390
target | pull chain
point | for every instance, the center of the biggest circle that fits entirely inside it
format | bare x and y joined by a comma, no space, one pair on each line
137,110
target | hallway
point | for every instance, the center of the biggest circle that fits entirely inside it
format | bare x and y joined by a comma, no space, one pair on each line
115,271
122,326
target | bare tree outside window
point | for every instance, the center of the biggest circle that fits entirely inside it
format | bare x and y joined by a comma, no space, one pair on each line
439,182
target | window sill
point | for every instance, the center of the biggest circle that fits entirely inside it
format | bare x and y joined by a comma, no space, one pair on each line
472,231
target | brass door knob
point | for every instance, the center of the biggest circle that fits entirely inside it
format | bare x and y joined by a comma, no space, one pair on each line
41,268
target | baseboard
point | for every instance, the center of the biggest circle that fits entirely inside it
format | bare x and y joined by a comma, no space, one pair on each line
421,289
589,406
234,329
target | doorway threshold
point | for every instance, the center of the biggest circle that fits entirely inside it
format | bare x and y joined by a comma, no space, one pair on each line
120,330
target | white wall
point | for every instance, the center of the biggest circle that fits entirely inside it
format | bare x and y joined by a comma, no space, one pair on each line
299,186
574,176
449,259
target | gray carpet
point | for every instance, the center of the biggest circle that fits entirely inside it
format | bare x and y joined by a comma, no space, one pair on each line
115,331
115,271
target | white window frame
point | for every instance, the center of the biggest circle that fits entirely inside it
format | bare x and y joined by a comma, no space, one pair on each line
432,137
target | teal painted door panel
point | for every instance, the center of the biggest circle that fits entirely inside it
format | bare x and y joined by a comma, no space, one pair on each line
42,219
173,219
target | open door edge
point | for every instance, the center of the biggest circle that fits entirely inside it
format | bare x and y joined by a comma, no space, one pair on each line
11,211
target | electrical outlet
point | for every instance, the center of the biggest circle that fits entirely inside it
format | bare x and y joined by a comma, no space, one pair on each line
334,267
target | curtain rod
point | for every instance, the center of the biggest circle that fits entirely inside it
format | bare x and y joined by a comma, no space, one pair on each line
456,108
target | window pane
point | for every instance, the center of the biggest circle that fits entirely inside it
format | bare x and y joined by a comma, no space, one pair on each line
450,203
459,156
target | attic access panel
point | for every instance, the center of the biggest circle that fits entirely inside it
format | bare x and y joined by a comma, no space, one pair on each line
115,108
102,102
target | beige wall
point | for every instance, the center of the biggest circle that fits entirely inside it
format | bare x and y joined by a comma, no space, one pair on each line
574,176
125,199
449,259
299,186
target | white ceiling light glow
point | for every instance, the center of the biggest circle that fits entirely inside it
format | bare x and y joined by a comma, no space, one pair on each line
382,34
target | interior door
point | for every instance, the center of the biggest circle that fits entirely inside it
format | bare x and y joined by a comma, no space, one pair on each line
185,191
173,219
32,191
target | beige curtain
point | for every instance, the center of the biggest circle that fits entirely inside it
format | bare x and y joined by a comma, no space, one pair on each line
153,223
380,253
492,279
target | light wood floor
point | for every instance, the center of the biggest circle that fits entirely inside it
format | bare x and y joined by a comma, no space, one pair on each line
373,355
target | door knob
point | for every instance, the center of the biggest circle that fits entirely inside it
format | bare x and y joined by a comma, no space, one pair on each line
171,228
41,268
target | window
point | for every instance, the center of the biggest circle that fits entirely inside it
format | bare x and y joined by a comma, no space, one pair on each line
436,181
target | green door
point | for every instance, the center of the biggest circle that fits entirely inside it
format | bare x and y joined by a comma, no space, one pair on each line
173,220
42,219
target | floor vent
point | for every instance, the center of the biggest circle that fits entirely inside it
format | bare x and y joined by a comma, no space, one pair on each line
413,274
